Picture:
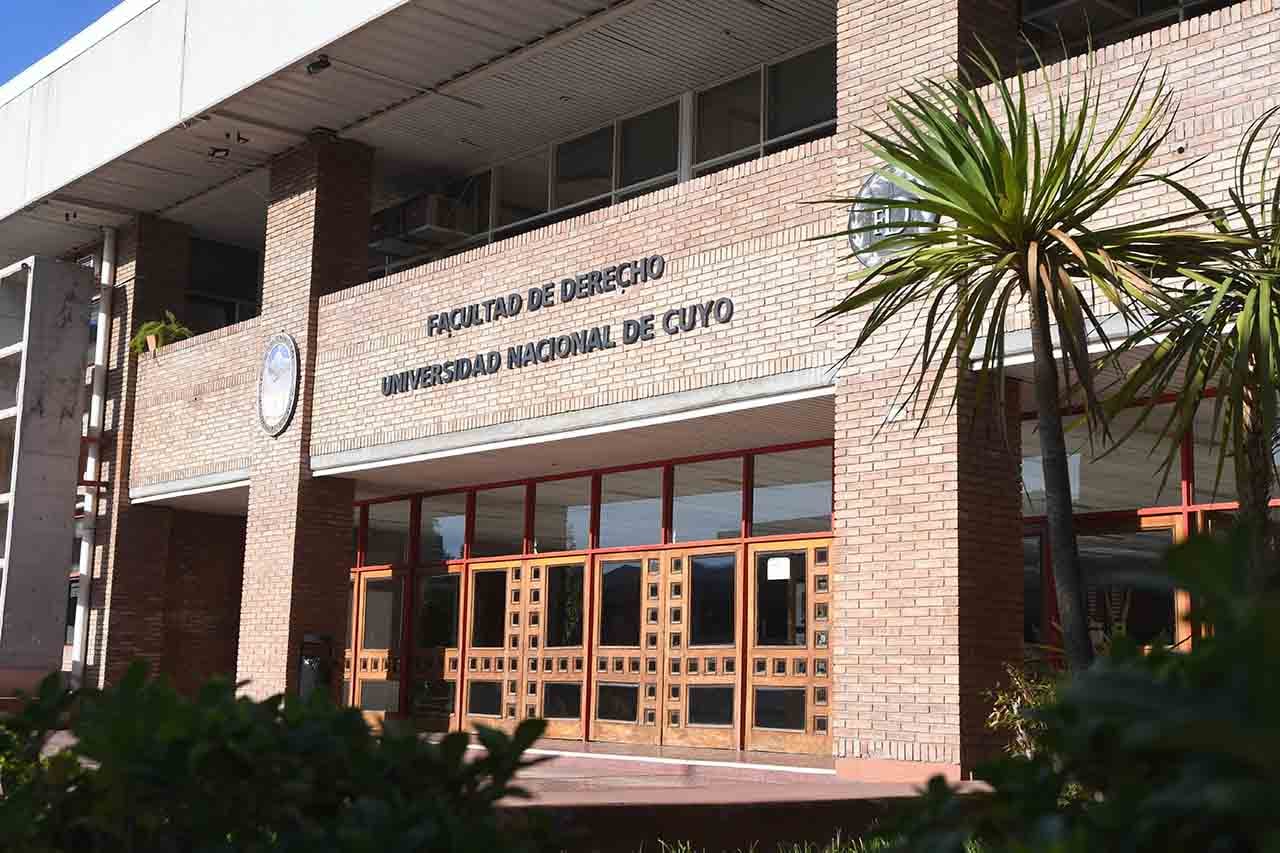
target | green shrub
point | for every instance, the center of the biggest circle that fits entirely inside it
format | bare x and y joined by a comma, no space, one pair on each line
166,331
1026,689
154,771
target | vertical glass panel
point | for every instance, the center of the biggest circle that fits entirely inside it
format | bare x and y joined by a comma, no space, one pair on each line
1115,607
484,698
442,529
522,188
618,702
1032,590
381,628
707,500
780,598
780,708
499,522
650,145
379,695
564,605
631,508
435,697
438,608
1208,451
562,515
802,91
584,167
489,609
351,603
73,600
561,700
710,705
355,533
620,603
1126,478
792,492
728,118
469,212
388,539
711,598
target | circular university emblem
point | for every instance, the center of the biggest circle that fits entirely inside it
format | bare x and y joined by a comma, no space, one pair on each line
278,384
889,220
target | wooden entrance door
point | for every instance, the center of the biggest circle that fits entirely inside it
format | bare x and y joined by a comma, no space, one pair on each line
437,664
789,647
495,643
554,643
376,654
628,651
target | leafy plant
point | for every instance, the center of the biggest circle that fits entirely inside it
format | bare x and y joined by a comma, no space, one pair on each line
165,331
1026,690
1014,199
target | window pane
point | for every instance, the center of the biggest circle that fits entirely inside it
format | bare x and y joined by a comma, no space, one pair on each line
792,492
584,167
388,541
564,605
620,603
489,609
73,599
438,611
522,188
562,515
618,702
650,145
499,522
381,628
728,117
435,697
631,508
710,705
1147,615
802,91
379,695
1032,590
561,700
1126,478
469,212
484,698
780,708
707,501
780,599
711,598
443,528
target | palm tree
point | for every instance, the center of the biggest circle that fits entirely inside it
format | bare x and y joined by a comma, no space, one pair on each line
1012,201
1218,337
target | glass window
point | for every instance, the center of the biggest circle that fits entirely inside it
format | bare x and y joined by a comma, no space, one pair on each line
711,599
438,611
381,628
355,532
562,515
388,539
484,698
522,188
618,702
802,92
710,705
379,695
442,529
1107,562
564,605
728,118
351,606
707,500
435,696
631,508
561,700
489,609
650,145
499,522
584,167
780,708
620,603
470,197
73,600
792,492
780,598
1125,478
1032,590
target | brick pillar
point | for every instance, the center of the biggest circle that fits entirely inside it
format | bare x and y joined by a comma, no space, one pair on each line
927,514
298,543
153,269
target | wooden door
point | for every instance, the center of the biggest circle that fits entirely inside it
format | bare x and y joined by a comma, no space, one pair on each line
789,647
437,664
555,651
496,640
376,655
627,679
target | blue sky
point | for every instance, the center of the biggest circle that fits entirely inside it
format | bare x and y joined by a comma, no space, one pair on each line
34,28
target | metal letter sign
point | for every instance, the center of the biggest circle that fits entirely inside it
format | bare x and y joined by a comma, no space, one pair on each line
278,384
891,220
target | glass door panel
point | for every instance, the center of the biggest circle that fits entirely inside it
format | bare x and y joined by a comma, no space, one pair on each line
348,654
628,650
555,624
788,655
437,628
377,651
496,642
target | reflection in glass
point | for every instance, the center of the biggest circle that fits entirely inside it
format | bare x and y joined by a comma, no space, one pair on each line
381,629
792,492
562,515
584,167
710,705
707,501
435,697
564,605
711,599
728,118
561,700
618,702
631,508
499,525
780,599
443,528
1032,590
1118,606
488,609
522,188
802,91
484,698
780,708
388,538
379,695
620,603
650,145
438,611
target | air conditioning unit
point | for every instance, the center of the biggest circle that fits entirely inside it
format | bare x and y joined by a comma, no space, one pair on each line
421,223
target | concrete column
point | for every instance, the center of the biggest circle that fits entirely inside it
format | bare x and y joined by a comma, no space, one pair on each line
298,546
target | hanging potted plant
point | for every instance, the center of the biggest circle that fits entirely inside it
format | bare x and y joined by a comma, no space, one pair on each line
154,334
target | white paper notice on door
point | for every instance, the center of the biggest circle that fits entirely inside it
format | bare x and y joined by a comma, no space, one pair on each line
778,568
